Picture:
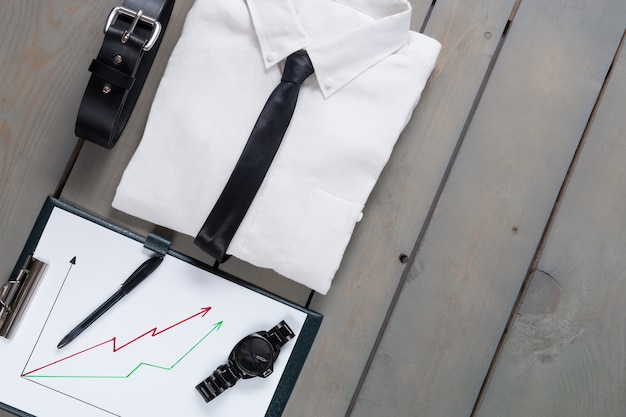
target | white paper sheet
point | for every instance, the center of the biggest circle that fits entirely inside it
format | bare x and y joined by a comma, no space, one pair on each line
146,354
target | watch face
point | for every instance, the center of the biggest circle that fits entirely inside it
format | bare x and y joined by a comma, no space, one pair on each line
254,355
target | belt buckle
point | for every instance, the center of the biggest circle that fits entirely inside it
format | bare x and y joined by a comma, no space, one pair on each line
137,16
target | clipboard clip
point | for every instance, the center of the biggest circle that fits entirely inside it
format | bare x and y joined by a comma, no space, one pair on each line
15,294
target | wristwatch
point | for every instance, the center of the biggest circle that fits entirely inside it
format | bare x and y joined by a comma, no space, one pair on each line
252,356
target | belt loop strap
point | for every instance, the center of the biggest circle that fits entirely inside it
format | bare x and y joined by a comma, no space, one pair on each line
132,36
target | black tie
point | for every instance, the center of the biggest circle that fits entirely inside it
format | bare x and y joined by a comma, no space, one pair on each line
255,160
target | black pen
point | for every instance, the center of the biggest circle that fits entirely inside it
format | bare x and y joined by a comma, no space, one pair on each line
135,279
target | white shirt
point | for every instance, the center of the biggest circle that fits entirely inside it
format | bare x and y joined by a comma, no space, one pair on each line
370,70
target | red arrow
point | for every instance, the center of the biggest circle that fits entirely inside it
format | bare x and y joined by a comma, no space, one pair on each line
153,332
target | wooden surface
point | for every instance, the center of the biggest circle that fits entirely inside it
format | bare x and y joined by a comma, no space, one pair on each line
566,349
40,90
480,242
444,261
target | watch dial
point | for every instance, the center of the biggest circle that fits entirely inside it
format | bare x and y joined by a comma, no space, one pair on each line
254,355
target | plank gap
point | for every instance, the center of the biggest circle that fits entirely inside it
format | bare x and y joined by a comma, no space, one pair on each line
546,232
68,168
427,17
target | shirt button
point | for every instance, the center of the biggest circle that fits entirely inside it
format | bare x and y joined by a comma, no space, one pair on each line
271,56
360,217
329,83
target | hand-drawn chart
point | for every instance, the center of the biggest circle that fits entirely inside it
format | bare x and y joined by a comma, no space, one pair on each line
147,353
113,345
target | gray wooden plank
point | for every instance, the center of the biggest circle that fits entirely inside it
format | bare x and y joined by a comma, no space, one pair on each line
361,293
566,348
41,79
469,268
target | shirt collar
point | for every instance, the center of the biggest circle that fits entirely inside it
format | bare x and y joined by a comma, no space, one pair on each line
339,60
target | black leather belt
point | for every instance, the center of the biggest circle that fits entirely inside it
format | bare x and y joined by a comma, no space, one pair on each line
132,36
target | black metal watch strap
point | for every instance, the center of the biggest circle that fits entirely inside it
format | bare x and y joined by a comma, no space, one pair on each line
280,334
224,377
133,33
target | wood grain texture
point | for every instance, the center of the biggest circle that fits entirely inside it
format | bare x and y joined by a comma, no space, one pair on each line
481,239
41,87
470,267
571,362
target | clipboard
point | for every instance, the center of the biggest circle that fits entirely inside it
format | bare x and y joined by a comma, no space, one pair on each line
146,355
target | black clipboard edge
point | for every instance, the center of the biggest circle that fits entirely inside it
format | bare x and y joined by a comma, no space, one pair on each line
14,411
294,366
298,355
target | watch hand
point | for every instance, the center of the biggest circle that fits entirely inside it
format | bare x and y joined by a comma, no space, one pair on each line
257,357
260,358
